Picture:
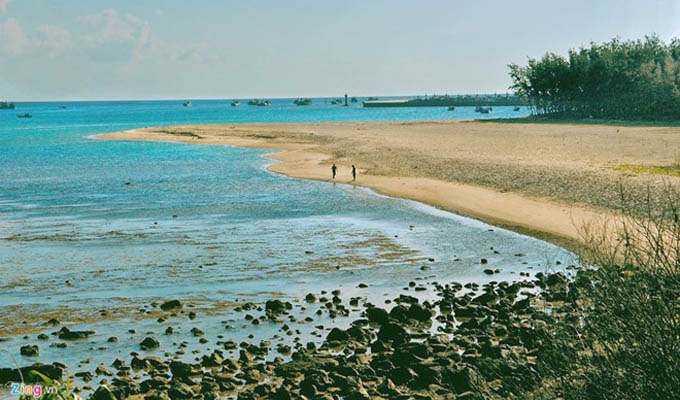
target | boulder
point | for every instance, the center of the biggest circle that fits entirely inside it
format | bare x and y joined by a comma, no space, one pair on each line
393,333
419,312
53,371
181,369
67,334
377,315
337,335
30,350
102,393
171,305
149,343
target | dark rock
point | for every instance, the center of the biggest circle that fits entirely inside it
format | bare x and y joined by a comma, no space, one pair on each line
463,380
393,333
67,334
102,393
102,370
337,335
276,306
84,375
419,313
402,376
171,305
30,350
180,390
399,313
377,315
53,371
149,343
154,383
138,363
213,360
181,369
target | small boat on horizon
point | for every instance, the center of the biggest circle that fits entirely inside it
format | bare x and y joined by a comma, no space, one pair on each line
187,103
235,103
302,102
258,102
354,100
7,105
451,108
517,108
373,99
24,115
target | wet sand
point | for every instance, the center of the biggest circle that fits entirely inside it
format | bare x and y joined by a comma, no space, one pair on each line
546,180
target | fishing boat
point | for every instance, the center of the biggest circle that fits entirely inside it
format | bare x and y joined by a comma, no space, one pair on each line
337,101
24,115
302,102
6,105
517,108
261,103
451,108
187,103
372,99
235,103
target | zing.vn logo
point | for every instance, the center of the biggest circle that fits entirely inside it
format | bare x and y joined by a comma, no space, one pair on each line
37,391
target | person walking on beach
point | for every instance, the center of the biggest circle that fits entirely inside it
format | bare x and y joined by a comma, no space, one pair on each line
354,173
334,169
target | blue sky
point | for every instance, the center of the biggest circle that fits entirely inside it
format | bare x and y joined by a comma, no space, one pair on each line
154,49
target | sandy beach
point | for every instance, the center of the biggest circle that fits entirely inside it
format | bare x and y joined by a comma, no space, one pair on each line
547,180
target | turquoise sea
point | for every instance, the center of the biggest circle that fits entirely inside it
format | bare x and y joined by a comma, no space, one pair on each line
94,231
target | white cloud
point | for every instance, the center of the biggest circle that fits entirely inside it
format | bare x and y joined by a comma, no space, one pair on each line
55,40
14,41
126,37
3,5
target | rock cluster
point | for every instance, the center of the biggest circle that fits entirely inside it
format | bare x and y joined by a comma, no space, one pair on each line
471,342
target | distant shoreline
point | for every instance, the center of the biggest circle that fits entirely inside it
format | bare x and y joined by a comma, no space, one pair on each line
448,164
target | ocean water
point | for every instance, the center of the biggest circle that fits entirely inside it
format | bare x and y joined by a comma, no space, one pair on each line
89,225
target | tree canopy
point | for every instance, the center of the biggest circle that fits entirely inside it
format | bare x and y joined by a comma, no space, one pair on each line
634,79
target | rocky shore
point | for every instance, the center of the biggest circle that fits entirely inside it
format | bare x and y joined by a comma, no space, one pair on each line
466,342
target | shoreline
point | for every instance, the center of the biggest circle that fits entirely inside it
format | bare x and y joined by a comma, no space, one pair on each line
304,157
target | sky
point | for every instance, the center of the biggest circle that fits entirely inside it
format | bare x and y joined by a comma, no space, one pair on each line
168,49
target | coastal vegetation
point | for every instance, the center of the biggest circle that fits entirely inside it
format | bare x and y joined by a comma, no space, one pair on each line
622,80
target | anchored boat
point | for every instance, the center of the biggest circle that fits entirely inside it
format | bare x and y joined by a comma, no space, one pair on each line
6,105
261,103
302,102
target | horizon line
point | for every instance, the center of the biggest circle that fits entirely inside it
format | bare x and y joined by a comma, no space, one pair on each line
255,97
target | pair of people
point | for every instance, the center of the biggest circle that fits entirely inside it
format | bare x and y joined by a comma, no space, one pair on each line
334,170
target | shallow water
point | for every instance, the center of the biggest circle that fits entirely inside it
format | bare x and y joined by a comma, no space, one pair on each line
89,225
